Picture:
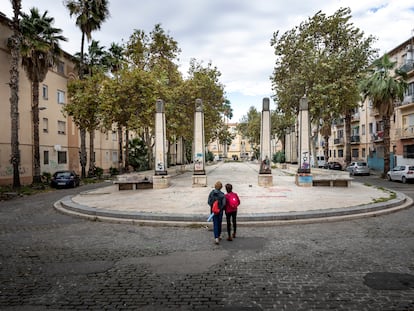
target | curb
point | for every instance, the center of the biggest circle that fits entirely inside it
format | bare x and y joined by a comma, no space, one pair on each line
67,206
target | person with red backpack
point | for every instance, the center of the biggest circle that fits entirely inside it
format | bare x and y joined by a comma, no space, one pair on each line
232,203
217,195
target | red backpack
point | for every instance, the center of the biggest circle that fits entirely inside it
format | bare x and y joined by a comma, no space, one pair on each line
233,201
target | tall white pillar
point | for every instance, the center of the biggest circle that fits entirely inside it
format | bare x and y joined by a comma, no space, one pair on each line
199,174
265,172
304,176
160,180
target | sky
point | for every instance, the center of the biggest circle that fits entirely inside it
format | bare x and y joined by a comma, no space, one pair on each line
234,35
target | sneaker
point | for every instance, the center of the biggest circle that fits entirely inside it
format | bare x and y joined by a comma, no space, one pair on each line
229,238
216,240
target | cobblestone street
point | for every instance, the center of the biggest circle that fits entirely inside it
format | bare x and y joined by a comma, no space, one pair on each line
50,261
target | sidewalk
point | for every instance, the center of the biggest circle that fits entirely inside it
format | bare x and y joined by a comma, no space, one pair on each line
284,202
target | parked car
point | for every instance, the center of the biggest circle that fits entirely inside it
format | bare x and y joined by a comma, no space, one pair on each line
402,173
333,166
358,168
65,179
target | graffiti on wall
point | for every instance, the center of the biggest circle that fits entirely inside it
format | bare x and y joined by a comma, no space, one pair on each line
8,171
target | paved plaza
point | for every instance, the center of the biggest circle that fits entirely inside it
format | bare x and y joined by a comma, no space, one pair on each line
53,261
284,202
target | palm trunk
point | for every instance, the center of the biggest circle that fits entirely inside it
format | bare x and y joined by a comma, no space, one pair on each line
386,143
91,153
14,95
36,145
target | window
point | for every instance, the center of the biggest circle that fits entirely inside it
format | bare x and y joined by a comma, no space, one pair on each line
44,92
408,151
46,157
61,127
363,153
340,153
114,157
370,128
114,136
355,153
60,97
45,125
62,157
363,129
61,67
340,133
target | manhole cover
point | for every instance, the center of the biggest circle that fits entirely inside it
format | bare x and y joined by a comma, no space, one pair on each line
389,281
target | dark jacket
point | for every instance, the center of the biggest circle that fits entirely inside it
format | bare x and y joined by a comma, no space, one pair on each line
217,195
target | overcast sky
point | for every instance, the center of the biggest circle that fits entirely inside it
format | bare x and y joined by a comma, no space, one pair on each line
233,34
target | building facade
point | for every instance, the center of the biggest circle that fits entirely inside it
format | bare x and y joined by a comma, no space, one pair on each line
58,135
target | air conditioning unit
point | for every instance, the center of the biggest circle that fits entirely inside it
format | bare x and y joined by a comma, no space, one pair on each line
57,147
409,47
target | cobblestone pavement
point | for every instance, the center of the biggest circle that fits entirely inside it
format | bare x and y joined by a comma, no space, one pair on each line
51,261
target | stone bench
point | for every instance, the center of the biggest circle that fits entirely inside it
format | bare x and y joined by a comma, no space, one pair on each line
133,183
331,180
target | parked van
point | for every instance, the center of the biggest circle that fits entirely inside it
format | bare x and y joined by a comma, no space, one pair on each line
320,161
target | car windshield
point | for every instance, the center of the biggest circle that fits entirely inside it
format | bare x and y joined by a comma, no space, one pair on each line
411,168
361,164
63,175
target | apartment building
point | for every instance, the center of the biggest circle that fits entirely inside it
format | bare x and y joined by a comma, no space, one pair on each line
59,137
367,127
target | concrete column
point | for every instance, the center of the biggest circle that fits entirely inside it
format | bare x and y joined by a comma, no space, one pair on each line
160,180
265,172
180,151
199,174
304,177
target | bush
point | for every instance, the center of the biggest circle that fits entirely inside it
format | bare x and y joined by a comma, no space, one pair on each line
209,156
99,172
279,157
113,171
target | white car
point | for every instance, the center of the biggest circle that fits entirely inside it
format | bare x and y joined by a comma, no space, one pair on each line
401,173
358,168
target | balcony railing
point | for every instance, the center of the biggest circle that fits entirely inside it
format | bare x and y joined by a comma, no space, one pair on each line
406,132
339,141
378,136
355,139
408,66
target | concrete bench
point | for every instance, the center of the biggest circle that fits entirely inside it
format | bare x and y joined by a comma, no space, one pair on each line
133,183
331,181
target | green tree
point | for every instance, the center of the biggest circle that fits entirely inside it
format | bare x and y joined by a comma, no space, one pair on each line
249,127
324,58
14,44
138,157
40,50
384,86
90,14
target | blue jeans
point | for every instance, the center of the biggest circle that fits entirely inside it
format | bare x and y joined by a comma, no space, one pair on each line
217,219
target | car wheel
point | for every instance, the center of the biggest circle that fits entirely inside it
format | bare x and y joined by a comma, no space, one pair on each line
389,177
404,180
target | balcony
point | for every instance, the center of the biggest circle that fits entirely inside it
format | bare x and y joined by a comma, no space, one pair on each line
404,133
377,137
355,117
408,66
355,139
339,141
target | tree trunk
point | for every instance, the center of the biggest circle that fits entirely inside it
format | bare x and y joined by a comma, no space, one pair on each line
91,171
82,153
386,143
14,95
347,121
126,150
120,150
36,144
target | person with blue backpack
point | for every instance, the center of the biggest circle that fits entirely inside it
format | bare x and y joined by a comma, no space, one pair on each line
217,195
232,203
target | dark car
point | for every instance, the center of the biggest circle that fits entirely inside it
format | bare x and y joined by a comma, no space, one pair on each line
65,179
333,166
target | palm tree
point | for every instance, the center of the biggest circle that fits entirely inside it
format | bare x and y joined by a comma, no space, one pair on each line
39,50
384,89
90,14
14,44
